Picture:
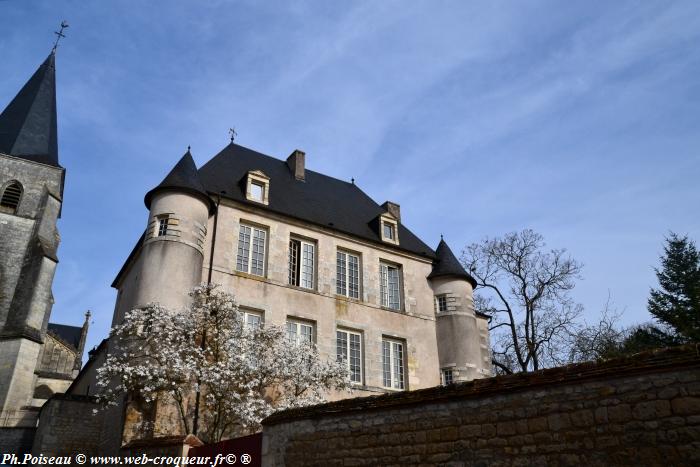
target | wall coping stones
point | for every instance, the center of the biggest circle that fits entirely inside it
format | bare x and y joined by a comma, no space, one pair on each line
655,360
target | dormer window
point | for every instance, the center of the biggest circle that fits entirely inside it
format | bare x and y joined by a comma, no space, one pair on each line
257,191
257,187
389,231
389,228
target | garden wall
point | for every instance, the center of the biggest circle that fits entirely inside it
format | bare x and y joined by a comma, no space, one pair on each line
642,410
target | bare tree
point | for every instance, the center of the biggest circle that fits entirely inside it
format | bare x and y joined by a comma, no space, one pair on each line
600,340
525,290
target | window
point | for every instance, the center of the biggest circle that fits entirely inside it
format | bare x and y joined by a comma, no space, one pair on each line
257,191
257,187
393,364
300,331
252,319
349,351
301,263
447,377
347,275
11,197
389,286
162,226
388,228
441,302
251,258
388,231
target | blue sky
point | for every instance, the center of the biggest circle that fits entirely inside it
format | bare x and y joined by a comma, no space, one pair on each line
577,119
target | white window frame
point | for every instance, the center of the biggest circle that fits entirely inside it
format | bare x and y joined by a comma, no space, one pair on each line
300,327
395,351
247,314
387,220
343,352
344,276
447,376
385,287
438,299
244,263
302,276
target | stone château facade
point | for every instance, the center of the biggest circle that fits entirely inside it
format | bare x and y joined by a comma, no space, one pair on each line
315,255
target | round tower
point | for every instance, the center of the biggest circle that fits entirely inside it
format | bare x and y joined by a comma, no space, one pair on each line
172,254
462,335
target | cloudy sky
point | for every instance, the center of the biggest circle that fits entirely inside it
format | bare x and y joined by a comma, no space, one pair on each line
577,119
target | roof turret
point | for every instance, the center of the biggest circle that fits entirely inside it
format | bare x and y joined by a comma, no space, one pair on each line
447,264
28,123
183,177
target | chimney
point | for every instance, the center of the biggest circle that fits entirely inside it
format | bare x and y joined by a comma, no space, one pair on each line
393,209
295,161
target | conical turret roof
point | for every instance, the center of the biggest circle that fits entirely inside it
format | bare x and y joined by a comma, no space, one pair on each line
447,264
183,177
28,123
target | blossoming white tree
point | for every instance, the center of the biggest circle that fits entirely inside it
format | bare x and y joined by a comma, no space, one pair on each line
218,372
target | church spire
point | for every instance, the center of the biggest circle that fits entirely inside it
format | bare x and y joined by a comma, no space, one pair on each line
28,124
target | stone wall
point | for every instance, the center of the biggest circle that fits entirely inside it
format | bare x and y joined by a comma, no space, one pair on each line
642,410
16,440
68,426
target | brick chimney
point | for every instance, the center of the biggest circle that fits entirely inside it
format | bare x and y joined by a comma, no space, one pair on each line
296,162
393,209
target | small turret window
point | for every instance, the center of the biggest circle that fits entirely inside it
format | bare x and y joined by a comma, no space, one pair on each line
11,197
441,301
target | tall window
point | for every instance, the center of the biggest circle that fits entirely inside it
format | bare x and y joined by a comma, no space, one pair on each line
252,319
300,331
393,364
441,303
301,263
347,275
11,197
447,377
251,250
349,351
162,226
389,286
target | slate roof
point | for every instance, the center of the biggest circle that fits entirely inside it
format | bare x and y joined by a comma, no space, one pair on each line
183,177
28,123
70,334
319,199
447,264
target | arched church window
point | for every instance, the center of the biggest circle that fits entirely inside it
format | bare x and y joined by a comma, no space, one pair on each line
11,197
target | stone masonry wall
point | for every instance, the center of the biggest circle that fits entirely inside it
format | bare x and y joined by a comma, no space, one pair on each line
643,410
16,440
68,426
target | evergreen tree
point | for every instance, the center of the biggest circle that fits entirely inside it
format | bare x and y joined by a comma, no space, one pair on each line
676,304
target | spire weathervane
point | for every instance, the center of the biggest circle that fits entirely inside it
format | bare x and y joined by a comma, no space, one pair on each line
232,132
59,35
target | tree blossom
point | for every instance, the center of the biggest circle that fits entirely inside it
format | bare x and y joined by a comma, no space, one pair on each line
242,373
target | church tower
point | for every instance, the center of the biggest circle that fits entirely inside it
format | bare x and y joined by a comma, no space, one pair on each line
462,334
31,193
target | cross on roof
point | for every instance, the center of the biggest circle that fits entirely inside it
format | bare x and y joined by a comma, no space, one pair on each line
59,34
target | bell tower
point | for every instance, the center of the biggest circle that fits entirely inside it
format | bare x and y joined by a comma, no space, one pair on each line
31,194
